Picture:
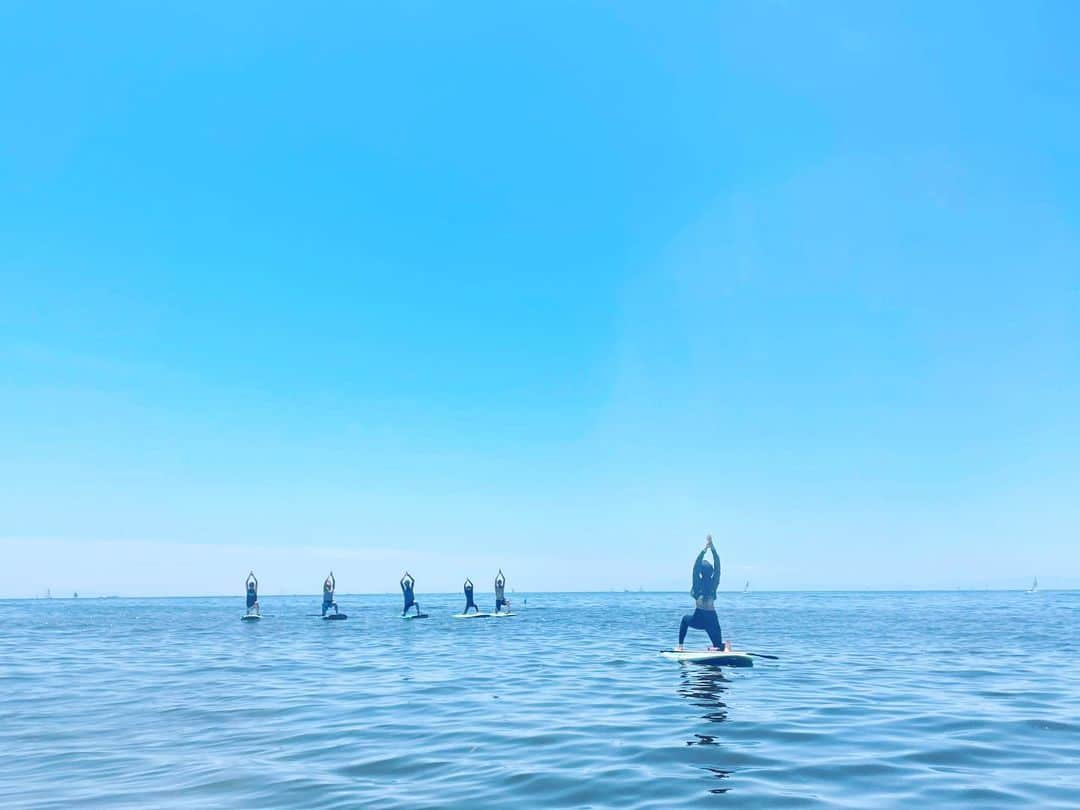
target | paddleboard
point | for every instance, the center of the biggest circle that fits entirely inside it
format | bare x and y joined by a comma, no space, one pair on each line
501,615
717,658
330,617
415,616
472,615
251,617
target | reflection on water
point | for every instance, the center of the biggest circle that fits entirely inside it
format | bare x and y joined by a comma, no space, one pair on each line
719,773
704,687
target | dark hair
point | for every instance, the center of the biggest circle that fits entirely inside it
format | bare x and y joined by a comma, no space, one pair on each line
704,581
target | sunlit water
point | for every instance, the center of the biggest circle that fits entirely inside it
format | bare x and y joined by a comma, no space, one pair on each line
879,700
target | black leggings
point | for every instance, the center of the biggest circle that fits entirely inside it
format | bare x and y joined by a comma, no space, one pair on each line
702,620
471,604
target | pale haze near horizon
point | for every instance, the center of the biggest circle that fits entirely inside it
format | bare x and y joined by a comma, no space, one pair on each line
552,289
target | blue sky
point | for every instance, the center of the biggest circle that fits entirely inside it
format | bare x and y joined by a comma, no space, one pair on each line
557,287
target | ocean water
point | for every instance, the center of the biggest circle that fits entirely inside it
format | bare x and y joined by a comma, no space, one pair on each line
878,700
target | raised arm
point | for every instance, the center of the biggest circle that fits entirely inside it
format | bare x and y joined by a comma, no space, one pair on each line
697,564
712,549
468,582
251,578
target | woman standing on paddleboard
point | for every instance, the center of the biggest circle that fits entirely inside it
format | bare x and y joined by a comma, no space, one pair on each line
407,583
704,580
328,587
469,603
252,586
500,591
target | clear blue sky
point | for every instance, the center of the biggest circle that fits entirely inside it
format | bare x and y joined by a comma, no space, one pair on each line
557,287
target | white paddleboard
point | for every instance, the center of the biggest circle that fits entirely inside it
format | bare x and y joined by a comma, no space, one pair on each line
501,615
415,616
251,617
718,658
472,615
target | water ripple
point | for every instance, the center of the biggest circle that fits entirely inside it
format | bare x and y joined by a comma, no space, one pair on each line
879,700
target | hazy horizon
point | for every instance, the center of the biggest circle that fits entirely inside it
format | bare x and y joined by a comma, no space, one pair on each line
344,594
153,569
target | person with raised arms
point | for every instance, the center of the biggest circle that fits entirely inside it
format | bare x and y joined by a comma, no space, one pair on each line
328,588
408,582
469,603
703,582
500,592
251,584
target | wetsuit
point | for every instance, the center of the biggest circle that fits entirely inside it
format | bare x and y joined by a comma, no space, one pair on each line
704,592
252,593
500,592
469,603
328,596
407,589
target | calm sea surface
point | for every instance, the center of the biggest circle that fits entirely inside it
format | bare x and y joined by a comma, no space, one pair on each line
879,700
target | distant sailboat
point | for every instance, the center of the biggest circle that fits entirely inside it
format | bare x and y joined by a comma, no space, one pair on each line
1034,586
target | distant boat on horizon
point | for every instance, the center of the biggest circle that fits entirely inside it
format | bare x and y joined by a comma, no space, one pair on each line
746,587
1034,586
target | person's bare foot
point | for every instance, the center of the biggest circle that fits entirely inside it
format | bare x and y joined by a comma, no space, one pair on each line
727,646
678,648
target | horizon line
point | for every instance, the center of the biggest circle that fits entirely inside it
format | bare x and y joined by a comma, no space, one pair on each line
315,595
